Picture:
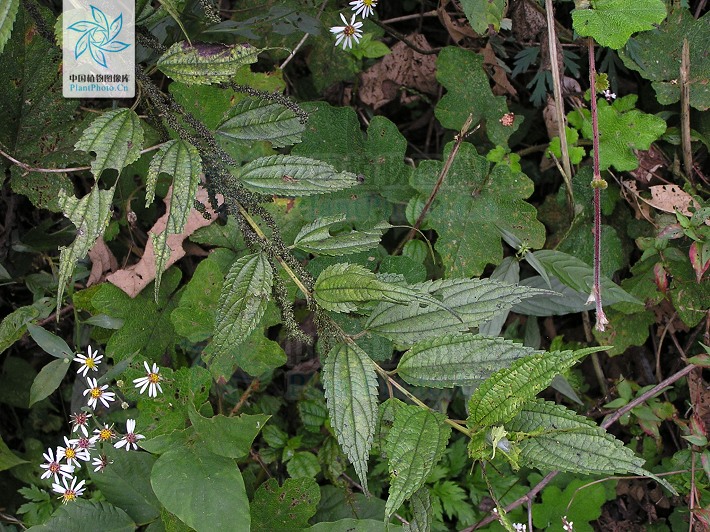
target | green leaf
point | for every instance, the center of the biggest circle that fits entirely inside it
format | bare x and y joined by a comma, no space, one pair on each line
48,379
87,516
126,483
204,490
49,342
355,525
288,507
656,55
475,301
461,72
581,511
195,313
460,360
243,300
303,464
258,119
484,13
90,215
316,237
117,139
415,444
473,204
287,175
611,22
231,437
422,511
502,396
13,326
205,63
559,439
8,459
8,12
350,386
341,287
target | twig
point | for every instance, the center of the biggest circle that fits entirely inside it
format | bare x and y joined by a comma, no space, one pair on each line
302,41
431,13
253,387
684,81
406,41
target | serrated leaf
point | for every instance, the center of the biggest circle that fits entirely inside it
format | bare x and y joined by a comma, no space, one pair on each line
508,271
350,386
656,55
341,287
117,139
258,119
288,507
474,300
206,63
559,439
457,360
502,396
474,203
245,294
611,22
90,215
287,175
48,379
462,73
84,516
8,12
484,13
13,326
422,511
316,237
415,444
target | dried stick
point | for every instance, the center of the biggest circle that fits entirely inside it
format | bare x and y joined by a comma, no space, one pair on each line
685,109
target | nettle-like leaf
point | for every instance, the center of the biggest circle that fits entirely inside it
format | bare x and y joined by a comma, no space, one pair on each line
502,396
415,444
182,161
461,72
458,360
316,237
117,139
342,287
101,515
474,203
288,507
206,63
611,22
422,510
656,54
474,301
559,439
245,294
258,119
622,132
484,13
350,384
287,175
90,215
8,12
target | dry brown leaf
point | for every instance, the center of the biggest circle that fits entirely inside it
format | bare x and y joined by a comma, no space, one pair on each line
641,210
527,21
458,27
404,67
136,277
500,78
651,162
102,262
669,198
700,398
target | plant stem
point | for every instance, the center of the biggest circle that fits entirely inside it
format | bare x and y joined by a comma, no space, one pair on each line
685,109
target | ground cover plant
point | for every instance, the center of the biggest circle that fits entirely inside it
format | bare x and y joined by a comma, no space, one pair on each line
358,266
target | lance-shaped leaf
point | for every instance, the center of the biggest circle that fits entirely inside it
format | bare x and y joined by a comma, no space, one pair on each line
458,360
116,137
415,444
475,301
8,12
342,287
258,119
559,439
181,160
206,63
316,237
49,379
287,175
611,22
502,396
243,300
350,386
90,215
422,510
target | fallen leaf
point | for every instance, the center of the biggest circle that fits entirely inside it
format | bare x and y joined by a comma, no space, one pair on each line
651,161
497,72
458,28
669,198
102,262
136,277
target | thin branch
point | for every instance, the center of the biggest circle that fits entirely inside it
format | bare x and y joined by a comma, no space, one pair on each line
684,80
253,387
414,16
302,41
406,41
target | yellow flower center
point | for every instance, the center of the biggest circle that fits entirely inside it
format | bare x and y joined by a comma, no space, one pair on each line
90,363
70,453
153,378
105,435
69,495
369,3
349,30
96,393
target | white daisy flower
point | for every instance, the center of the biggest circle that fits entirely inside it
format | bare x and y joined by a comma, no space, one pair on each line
68,492
131,438
151,381
97,393
104,434
53,467
72,453
364,8
101,462
79,421
347,33
88,362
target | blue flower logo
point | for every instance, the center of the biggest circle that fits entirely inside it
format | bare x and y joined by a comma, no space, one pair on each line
98,36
